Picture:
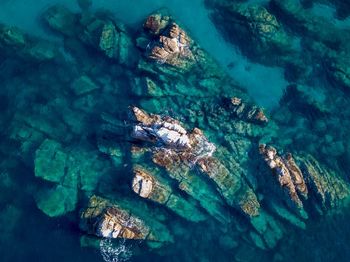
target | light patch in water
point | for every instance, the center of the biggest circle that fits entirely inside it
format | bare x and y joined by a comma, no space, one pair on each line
115,250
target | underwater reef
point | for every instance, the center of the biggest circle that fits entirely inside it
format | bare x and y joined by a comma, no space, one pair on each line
139,134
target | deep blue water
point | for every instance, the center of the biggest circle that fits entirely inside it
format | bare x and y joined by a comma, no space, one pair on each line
27,234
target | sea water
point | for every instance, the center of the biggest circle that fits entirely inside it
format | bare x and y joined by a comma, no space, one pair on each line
29,235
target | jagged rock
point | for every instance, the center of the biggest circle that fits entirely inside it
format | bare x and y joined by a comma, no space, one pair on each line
168,131
308,183
171,44
109,220
156,23
287,172
189,182
178,147
148,186
330,190
247,112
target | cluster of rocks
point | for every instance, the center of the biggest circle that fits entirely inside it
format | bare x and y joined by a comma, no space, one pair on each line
261,32
171,45
101,32
181,180
310,187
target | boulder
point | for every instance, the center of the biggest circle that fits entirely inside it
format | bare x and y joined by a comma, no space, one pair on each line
148,186
104,218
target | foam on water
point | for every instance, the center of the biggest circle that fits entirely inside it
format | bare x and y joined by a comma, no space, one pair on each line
192,14
114,250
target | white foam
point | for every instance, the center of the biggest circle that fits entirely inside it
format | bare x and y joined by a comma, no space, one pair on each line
114,250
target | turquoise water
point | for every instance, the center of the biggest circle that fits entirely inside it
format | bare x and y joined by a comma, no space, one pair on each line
90,120
24,15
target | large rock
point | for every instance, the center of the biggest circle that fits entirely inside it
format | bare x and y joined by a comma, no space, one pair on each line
287,172
67,169
148,186
171,44
106,219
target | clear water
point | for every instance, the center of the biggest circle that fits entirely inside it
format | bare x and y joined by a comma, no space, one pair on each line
26,234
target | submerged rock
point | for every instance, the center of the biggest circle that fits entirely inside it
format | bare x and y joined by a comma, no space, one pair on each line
16,44
67,169
148,186
254,29
99,31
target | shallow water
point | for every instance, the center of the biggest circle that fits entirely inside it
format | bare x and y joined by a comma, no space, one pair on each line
37,102
25,15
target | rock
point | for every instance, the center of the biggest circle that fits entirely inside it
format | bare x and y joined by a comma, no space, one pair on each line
171,44
95,30
156,23
115,43
189,182
50,161
177,147
330,190
148,186
57,201
16,44
254,29
246,112
338,72
83,85
287,172
108,220
304,22
61,19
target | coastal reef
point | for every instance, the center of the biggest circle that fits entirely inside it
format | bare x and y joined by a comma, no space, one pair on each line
137,133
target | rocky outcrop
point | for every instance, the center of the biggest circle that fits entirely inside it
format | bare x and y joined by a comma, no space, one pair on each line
177,147
166,131
147,185
247,112
170,44
308,183
105,219
288,173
